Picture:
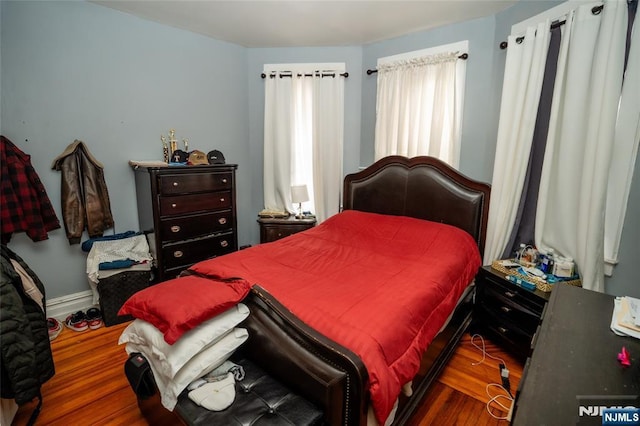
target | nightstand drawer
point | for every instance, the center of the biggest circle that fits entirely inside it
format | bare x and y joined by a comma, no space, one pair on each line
273,229
196,182
506,291
182,204
275,233
516,337
188,227
509,313
509,309
189,252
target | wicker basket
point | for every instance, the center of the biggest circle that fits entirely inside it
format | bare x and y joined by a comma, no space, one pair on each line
540,284
116,289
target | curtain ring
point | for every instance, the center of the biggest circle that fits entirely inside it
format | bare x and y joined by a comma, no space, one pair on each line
519,40
596,10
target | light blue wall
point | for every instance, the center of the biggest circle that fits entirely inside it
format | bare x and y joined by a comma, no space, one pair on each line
75,70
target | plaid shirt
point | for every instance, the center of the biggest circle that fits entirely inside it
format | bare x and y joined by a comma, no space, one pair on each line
24,204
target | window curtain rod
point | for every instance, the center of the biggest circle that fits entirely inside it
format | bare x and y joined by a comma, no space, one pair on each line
595,10
373,71
290,74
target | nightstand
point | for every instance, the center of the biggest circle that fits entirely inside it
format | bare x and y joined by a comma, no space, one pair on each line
508,313
272,229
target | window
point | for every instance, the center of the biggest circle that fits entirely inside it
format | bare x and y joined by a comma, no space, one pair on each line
303,135
419,103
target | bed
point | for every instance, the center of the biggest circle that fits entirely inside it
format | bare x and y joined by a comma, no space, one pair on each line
338,343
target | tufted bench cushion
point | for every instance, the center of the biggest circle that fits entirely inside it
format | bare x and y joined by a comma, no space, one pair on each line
260,400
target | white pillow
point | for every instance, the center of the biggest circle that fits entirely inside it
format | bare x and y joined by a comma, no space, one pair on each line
207,360
171,358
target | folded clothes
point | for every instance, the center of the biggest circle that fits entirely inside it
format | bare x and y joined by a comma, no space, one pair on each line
134,248
86,246
116,264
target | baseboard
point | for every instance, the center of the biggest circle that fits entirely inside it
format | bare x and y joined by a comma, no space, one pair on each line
61,307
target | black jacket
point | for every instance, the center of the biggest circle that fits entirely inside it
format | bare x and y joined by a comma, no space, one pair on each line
26,361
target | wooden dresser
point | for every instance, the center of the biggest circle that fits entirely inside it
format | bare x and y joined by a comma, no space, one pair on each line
188,213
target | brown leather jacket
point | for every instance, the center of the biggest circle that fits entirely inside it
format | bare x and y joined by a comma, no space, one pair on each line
85,199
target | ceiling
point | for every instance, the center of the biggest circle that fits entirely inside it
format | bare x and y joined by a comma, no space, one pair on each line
307,23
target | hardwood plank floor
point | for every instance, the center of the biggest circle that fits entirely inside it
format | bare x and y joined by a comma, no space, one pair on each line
90,388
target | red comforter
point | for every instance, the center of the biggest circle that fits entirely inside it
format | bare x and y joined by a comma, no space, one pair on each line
380,285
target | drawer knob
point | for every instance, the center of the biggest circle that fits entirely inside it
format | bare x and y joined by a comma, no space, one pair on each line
175,228
174,205
178,253
222,220
222,200
502,330
509,294
224,180
175,183
224,243
505,309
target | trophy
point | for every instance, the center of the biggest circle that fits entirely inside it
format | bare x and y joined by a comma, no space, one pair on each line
165,149
173,142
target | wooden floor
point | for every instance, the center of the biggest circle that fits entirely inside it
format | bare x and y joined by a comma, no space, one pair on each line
90,388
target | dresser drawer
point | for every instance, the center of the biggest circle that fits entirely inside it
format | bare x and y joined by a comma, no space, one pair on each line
194,182
188,227
182,204
189,252
188,212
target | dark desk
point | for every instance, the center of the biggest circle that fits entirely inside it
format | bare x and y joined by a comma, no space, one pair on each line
575,355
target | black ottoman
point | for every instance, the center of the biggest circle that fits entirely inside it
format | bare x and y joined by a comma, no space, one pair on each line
260,400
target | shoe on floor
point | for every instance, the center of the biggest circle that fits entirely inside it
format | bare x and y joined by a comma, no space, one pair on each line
77,321
94,318
54,328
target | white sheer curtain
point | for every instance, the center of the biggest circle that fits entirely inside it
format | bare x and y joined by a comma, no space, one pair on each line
328,137
303,136
278,127
573,187
524,73
417,112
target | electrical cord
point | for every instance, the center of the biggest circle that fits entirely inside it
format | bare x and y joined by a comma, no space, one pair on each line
495,399
504,378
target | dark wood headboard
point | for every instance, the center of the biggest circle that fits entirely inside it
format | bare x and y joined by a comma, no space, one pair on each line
420,187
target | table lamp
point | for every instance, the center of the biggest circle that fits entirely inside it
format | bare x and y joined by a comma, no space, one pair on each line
299,194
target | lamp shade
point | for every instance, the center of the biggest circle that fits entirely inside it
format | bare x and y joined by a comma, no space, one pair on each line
299,193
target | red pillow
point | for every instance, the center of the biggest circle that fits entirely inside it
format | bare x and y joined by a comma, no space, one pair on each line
176,306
